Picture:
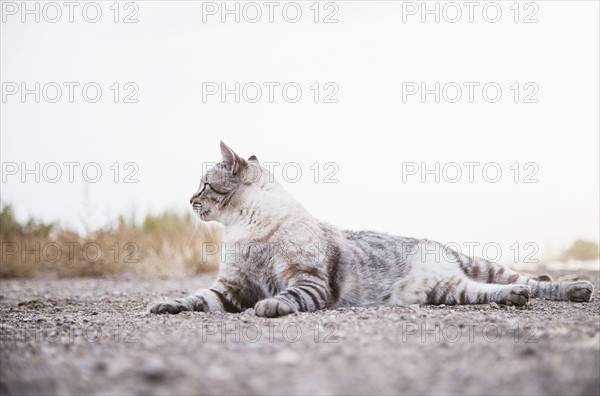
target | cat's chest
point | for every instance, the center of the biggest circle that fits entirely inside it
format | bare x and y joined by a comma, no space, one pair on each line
245,247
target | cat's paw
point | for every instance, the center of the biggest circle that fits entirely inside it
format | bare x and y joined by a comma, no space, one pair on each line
518,296
272,308
544,278
170,307
580,291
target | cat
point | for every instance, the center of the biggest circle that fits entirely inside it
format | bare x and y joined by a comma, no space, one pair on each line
278,259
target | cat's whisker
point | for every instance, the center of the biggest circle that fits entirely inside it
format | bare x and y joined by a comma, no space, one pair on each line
212,237
199,222
192,236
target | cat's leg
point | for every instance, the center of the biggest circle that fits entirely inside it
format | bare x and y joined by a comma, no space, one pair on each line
453,290
462,290
304,295
217,298
485,271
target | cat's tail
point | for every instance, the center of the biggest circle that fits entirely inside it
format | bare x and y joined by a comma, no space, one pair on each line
485,271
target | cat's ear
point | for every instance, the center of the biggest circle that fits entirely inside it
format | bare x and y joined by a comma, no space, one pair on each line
231,159
253,158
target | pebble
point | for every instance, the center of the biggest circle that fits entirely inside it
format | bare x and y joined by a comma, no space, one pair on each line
415,308
287,357
493,305
154,369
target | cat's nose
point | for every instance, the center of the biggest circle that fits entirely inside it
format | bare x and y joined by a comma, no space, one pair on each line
193,198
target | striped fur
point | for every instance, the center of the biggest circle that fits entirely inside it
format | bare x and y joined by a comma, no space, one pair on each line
278,259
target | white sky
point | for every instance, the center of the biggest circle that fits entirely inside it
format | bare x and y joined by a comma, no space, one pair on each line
369,134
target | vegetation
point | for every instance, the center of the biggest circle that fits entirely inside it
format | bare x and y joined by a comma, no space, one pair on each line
582,250
164,245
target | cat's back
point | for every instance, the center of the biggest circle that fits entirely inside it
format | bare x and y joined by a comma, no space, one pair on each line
380,242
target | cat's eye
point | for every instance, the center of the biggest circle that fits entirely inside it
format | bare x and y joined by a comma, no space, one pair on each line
212,188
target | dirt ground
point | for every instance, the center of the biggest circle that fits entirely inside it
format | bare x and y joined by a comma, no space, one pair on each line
93,336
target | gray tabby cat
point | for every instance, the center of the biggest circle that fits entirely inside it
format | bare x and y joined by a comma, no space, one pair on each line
279,259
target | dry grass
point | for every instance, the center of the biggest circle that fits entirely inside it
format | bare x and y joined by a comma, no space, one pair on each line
167,245
582,250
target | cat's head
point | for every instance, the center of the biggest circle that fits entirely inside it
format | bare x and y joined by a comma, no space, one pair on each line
225,187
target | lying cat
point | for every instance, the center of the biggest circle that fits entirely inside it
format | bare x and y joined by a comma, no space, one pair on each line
279,259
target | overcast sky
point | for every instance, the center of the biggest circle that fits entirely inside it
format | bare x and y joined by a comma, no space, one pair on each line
370,134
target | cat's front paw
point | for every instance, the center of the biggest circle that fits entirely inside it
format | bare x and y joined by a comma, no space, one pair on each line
580,291
272,308
170,307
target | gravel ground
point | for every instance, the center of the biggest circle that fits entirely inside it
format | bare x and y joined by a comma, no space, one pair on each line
93,336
